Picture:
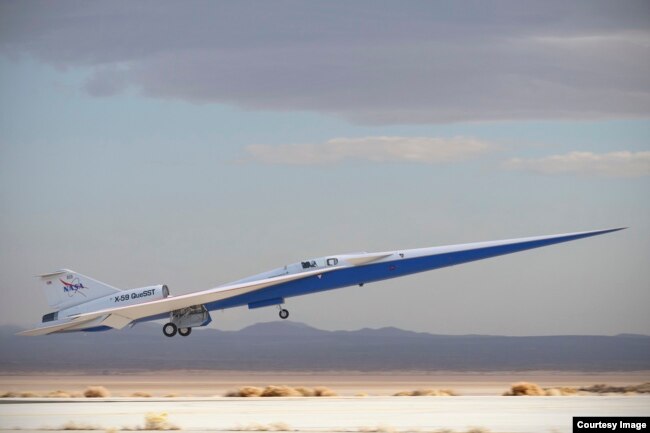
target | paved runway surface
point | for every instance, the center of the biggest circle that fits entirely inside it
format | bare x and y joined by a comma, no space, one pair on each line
498,414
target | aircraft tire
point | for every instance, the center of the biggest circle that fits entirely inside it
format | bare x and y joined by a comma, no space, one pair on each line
169,329
284,313
184,332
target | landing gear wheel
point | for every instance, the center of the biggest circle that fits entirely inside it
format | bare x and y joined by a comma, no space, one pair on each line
184,332
169,329
284,313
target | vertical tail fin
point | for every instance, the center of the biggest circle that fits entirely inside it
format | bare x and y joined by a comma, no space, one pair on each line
66,288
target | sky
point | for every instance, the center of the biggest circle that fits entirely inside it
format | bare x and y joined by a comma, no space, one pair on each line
194,143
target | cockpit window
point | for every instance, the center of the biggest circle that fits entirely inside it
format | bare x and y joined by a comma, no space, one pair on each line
332,262
308,264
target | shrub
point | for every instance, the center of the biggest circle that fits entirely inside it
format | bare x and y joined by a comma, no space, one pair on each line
158,421
96,392
280,391
321,391
532,389
58,394
245,391
630,389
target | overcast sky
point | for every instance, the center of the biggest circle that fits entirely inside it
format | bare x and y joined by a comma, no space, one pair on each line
193,143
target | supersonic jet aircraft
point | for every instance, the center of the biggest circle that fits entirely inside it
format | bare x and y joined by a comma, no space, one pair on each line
81,303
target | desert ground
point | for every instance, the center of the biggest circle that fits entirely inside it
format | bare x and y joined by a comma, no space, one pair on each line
331,414
344,383
364,402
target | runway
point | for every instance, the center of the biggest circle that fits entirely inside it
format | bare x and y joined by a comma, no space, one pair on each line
333,414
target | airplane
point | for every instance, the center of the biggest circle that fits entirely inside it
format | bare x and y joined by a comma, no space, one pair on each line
81,303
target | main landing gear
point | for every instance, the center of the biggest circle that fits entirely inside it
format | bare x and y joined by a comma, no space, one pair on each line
169,329
181,321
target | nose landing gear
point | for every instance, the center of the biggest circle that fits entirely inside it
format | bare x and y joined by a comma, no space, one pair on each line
283,313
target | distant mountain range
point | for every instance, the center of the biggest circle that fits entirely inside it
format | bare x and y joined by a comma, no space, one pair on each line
276,346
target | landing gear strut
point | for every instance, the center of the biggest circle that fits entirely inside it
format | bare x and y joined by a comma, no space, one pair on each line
169,329
283,313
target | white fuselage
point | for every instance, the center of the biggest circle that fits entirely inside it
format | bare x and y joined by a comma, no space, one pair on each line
122,298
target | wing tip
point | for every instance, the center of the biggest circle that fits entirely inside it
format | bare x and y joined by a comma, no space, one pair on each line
29,332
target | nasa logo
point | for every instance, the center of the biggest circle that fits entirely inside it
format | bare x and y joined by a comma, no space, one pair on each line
73,287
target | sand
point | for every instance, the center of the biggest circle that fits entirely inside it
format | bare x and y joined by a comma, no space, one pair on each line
217,383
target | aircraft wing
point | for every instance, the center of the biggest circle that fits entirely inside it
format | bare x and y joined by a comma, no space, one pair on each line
119,317
44,330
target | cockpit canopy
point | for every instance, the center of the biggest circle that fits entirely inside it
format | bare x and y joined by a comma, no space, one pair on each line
308,264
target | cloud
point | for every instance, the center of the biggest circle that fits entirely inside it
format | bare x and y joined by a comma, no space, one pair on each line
425,150
615,164
366,61
106,81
